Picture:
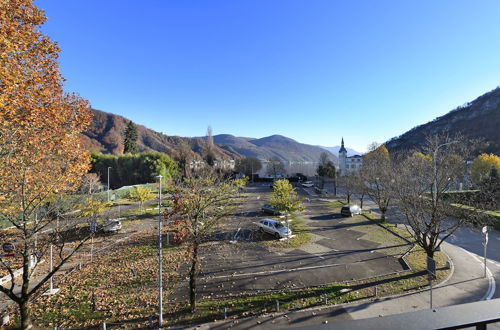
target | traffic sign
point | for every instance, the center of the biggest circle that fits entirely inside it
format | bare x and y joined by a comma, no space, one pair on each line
8,247
485,230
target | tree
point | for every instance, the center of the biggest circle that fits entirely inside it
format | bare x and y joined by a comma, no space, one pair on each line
482,165
349,183
130,140
40,149
248,165
90,183
275,167
209,150
359,186
199,206
184,156
326,168
422,180
378,177
140,194
285,198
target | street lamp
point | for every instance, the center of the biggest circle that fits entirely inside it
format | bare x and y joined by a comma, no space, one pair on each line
108,182
160,258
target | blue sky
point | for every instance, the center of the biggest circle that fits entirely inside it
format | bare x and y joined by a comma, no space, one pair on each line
310,70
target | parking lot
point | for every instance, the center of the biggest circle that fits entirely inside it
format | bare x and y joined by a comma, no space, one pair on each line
337,252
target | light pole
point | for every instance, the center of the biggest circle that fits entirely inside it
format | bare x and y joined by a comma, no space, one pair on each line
108,181
160,258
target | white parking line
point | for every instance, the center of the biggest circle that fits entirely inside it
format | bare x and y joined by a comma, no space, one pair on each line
491,285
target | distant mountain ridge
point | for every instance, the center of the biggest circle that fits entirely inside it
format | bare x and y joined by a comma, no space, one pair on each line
105,134
479,119
265,148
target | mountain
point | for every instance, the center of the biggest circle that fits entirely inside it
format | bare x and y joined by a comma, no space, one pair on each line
105,134
271,146
479,119
335,151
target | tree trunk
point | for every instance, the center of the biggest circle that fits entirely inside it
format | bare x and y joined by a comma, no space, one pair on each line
382,217
192,278
361,201
24,310
348,198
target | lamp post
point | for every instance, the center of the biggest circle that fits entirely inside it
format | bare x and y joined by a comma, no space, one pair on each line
160,258
108,181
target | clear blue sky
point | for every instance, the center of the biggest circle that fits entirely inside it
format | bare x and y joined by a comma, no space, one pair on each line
310,70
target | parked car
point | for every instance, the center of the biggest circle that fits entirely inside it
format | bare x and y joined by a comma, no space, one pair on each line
275,228
307,184
269,209
350,210
112,225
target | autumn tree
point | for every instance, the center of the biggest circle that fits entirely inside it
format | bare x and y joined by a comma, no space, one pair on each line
378,177
130,139
199,206
422,180
140,194
284,197
248,165
40,150
482,166
275,167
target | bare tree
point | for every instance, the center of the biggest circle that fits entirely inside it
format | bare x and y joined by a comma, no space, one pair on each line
378,177
248,165
202,203
184,155
422,181
359,186
209,152
348,183
90,184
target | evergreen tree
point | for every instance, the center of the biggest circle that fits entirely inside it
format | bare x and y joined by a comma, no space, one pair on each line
130,141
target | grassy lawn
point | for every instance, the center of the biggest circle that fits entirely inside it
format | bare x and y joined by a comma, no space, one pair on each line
299,229
119,286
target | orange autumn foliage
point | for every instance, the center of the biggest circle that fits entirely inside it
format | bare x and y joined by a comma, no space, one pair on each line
40,148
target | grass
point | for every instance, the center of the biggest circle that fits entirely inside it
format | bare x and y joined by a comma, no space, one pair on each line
299,229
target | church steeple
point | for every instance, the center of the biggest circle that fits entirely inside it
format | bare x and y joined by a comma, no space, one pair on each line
342,148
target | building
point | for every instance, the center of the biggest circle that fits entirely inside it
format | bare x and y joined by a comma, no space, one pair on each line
347,164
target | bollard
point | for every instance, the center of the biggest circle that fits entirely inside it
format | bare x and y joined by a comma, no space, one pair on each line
326,299
225,313
103,325
375,291
277,305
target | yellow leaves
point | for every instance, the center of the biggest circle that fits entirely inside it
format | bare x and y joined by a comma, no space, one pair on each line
482,166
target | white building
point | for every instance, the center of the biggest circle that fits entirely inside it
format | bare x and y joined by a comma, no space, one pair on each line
348,164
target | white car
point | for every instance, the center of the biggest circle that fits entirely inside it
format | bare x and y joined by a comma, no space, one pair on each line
308,184
275,228
112,225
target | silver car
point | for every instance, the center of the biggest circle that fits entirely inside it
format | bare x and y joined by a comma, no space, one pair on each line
275,228
112,225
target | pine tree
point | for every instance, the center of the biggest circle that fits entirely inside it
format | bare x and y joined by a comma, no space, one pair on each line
130,141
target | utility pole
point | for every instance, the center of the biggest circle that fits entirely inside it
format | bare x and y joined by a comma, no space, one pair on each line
160,259
108,181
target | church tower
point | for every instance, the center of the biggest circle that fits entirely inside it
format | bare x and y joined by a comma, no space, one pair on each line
342,159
